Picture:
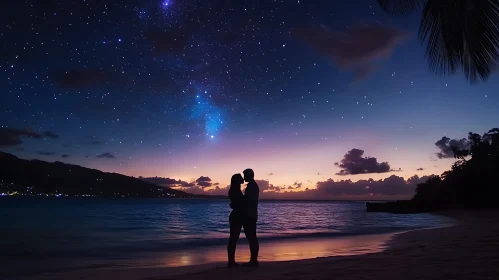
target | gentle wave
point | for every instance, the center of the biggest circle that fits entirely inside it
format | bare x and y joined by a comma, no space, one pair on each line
107,251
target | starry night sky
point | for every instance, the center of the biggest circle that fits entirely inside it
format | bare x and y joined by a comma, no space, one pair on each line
197,90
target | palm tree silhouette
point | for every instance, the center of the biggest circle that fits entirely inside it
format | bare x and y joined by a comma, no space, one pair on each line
459,34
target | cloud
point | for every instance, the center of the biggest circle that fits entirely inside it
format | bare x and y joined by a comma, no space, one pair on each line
215,191
106,155
196,188
357,48
266,186
270,174
263,185
46,153
50,134
392,185
167,182
364,71
295,186
65,156
204,182
165,42
95,142
353,163
420,169
445,146
273,188
12,136
81,78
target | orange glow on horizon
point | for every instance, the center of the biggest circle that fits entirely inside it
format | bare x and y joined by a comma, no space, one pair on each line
285,167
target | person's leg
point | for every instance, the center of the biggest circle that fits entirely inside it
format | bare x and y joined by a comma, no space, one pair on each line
235,231
250,232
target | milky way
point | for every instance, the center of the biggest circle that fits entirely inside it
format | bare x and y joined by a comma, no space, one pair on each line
210,114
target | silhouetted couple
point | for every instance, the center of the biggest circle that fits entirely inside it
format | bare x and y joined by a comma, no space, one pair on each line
244,214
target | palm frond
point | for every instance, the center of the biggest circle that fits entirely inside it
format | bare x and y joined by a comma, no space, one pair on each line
481,38
400,7
461,34
440,36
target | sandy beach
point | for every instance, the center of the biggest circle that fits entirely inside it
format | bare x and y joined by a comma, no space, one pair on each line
468,250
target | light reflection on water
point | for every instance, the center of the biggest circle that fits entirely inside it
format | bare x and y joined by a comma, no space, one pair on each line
283,250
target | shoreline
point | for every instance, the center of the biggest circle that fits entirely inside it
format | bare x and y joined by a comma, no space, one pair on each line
395,244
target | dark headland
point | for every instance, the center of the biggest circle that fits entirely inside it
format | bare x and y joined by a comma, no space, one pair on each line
40,178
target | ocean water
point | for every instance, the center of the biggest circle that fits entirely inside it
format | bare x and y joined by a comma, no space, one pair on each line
53,234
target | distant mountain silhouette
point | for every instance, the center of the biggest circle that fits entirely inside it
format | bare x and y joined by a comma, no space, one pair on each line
35,177
470,184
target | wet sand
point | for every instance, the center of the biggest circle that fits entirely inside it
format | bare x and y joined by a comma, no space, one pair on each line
468,250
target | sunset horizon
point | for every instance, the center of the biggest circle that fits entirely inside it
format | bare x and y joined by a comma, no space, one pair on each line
400,184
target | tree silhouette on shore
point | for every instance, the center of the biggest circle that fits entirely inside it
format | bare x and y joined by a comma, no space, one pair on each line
472,182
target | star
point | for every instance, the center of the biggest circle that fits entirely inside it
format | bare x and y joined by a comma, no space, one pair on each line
166,3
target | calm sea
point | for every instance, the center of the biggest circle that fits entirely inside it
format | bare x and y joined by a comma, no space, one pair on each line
53,234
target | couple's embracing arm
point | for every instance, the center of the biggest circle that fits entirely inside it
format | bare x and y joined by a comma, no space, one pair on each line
237,202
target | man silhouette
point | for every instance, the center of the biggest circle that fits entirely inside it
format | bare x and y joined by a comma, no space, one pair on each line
251,194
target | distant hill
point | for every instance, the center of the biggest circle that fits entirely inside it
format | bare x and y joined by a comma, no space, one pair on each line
36,177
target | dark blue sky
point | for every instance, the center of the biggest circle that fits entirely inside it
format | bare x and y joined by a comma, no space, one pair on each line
182,89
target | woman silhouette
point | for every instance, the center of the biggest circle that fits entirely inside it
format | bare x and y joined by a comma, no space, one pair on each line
236,216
